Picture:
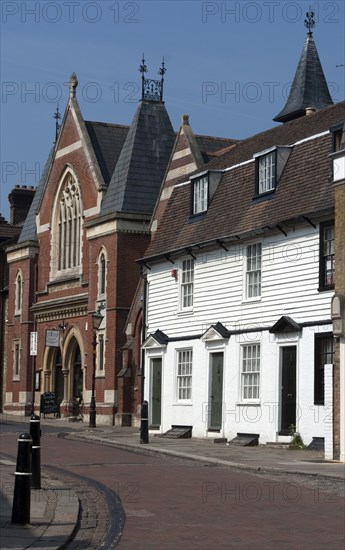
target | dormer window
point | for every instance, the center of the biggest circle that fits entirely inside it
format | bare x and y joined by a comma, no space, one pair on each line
200,195
269,167
266,173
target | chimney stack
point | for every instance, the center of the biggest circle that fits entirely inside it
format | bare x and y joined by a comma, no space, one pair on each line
20,200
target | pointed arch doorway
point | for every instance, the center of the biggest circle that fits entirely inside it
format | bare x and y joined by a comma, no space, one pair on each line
67,372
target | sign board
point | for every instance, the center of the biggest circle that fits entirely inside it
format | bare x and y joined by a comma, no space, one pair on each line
53,338
49,404
33,343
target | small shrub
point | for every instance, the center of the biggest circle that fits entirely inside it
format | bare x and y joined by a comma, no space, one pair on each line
296,442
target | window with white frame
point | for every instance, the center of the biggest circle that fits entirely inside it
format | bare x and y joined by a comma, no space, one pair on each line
184,374
253,271
266,173
200,195
250,372
102,273
18,294
69,219
187,283
16,359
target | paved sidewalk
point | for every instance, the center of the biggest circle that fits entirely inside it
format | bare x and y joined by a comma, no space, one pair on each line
53,515
261,458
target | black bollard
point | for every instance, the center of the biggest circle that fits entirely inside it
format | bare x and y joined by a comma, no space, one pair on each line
144,426
21,497
35,432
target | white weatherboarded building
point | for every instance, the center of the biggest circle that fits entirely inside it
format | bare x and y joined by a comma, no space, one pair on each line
240,279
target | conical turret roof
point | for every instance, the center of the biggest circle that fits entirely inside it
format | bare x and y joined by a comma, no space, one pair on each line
309,87
139,172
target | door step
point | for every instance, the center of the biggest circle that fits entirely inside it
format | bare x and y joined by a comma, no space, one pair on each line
178,432
245,440
317,444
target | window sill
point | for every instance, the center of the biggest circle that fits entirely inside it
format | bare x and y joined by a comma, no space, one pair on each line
251,300
183,403
193,218
184,312
100,374
249,404
16,379
325,288
262,196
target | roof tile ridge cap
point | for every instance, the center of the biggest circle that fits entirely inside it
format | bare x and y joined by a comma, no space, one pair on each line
215,138
107,123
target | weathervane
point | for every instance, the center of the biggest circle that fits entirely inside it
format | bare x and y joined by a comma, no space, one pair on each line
152,89
57,117
309,22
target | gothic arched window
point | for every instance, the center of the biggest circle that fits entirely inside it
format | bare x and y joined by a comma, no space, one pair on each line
18,293
102,273
69,215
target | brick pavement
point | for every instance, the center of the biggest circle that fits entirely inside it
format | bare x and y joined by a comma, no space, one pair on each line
55,520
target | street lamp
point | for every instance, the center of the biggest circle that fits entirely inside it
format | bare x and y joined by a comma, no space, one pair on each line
97,319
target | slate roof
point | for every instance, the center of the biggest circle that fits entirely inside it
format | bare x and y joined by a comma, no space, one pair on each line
107,141
139,172
28,232
309,87
304,188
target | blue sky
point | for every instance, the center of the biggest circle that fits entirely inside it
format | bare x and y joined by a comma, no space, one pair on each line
229,66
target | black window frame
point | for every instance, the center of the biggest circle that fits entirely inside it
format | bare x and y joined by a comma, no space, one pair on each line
319,366
322,271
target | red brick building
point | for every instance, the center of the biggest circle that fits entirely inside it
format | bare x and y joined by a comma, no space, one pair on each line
76,256
20,199
88,223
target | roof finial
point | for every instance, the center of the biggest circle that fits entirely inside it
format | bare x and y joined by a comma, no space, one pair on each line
151,90
309,22
143,70
162,72
73,83
57,117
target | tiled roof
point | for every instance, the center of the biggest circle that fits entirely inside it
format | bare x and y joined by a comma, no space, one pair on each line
8,231
139,172
309,87
107,141
208,145
304,188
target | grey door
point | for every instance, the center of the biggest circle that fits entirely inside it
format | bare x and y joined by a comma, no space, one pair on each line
156,391
288,390
216,395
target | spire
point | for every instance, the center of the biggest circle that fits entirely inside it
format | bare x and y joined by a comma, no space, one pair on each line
309,87
152,90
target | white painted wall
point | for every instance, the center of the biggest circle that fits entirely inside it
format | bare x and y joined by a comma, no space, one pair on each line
290,280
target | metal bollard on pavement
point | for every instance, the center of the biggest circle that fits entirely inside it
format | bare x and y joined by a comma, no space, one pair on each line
35,432
21,496
144,425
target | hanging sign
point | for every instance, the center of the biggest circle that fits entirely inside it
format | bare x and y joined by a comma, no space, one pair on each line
53,338
33,343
